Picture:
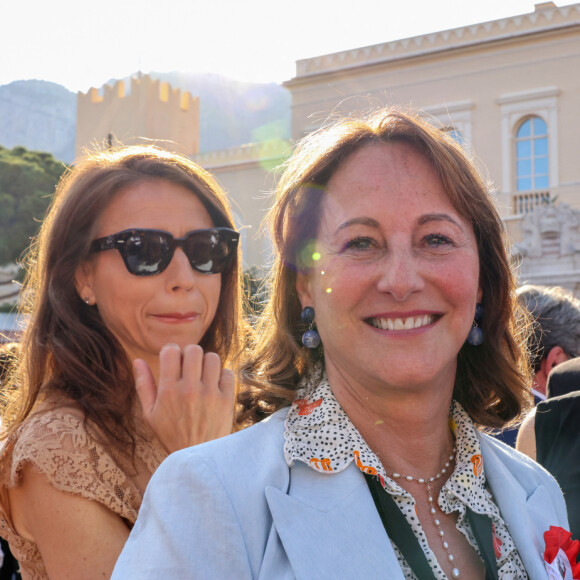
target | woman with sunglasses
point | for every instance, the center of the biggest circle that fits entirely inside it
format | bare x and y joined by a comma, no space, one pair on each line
133,294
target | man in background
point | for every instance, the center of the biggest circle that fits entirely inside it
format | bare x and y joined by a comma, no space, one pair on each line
556,331
555,339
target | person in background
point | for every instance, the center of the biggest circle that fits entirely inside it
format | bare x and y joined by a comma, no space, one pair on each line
8,564
550,434
556,330
390,341
555,338
133,293
564,379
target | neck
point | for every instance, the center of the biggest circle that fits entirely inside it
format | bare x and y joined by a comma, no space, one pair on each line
408,429
540,382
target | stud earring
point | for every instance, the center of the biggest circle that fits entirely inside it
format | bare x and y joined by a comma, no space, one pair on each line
311,338
475,336
87,301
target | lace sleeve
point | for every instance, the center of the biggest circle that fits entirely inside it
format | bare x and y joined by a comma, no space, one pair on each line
57,444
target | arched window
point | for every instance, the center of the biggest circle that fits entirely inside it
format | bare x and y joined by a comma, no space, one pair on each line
532,155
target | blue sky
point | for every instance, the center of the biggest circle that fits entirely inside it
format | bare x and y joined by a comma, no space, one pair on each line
84,44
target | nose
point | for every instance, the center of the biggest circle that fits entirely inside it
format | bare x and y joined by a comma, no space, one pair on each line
400,274
179,275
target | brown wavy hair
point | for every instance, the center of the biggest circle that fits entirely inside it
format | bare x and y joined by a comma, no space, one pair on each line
492,380
66,348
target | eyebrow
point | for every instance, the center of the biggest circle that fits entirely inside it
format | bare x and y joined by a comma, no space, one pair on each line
367,221
438,217
360,221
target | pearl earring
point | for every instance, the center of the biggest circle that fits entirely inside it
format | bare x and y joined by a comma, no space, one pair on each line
311,338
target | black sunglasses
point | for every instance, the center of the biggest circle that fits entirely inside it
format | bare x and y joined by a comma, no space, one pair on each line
149,252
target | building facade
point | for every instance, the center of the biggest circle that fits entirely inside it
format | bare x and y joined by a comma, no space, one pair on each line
146,111
508,89
249,174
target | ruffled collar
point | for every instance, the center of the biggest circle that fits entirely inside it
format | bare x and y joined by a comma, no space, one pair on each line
320,434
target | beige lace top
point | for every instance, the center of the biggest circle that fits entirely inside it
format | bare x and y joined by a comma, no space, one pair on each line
57,444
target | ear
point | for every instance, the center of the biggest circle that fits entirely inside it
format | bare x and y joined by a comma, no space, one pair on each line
84,283
303,289
479,294
555,356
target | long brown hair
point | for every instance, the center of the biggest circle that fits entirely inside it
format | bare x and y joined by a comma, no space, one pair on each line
492,379
66,348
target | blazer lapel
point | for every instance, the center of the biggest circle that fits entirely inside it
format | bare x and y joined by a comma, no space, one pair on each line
330,528
523,514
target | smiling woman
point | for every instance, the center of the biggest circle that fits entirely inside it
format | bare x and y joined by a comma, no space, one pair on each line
371,461
136,262
416,250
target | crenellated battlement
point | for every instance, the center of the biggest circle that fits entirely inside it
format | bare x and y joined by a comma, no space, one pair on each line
150,111
253,153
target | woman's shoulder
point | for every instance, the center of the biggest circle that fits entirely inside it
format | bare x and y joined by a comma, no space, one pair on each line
36,438
56,440
45,431
269,432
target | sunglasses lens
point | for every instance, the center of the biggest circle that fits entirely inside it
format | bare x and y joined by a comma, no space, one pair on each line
146,253
208,251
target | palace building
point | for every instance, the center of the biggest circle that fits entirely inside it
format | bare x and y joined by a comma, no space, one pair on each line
508,90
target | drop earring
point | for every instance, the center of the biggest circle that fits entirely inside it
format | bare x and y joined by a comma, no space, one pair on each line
475,336
311,338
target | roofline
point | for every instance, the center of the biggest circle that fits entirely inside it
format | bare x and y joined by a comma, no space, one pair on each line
536,22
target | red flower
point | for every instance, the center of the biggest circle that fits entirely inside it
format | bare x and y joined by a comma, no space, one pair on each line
557,539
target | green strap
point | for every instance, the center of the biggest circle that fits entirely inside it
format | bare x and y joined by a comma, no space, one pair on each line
401,534
482,530
399,530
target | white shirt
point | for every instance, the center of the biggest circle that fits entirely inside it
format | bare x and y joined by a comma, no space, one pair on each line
320,434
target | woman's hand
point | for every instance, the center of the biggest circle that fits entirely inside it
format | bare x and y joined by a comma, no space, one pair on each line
194,400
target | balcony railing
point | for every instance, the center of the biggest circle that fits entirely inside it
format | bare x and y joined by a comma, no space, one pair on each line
526,202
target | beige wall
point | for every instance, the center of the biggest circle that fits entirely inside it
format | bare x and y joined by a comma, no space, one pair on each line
248,174
150,112
484,79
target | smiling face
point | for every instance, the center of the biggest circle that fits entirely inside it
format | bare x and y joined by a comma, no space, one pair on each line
145,312
396,284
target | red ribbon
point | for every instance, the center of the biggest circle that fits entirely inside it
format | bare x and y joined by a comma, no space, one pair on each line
557,539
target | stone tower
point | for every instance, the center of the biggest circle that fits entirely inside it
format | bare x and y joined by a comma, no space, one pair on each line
151,112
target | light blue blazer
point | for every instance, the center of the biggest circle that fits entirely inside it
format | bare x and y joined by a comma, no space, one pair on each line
232,509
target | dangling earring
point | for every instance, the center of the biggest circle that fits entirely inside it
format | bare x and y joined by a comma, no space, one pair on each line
475,336
311,338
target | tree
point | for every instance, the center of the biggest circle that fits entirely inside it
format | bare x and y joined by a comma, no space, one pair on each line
27,183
